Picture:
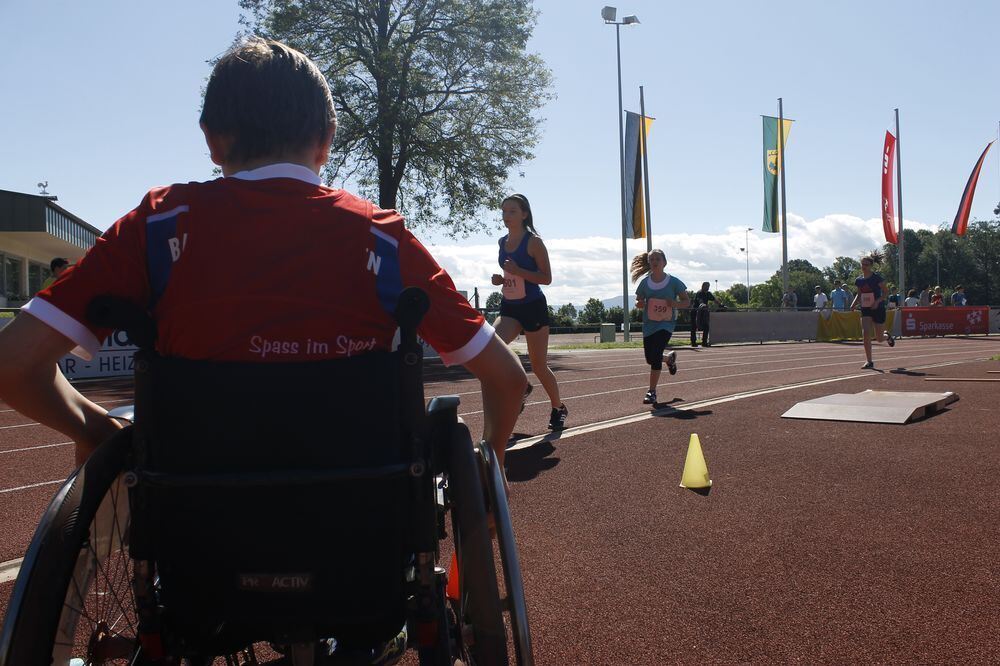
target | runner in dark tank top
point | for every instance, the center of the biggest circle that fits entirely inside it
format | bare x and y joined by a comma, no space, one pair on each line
525,264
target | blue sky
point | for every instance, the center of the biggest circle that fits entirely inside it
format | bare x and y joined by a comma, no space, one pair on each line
102,100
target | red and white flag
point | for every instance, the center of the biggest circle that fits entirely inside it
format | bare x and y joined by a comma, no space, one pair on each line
888,161
961,222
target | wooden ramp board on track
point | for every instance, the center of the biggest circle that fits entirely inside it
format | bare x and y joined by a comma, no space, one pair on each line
872,406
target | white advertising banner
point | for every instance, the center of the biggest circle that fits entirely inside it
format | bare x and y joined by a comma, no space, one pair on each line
113,359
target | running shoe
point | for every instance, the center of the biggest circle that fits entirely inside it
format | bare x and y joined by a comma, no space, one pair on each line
672,362
527,391
868,366
891,341
650,398
557,420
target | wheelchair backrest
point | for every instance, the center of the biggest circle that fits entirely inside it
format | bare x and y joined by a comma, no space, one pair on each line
239,503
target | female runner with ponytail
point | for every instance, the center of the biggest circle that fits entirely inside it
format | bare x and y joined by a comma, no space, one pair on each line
525,264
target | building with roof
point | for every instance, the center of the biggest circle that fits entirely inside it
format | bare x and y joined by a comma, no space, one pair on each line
33,231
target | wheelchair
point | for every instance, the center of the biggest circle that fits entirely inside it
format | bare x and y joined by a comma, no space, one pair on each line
281,503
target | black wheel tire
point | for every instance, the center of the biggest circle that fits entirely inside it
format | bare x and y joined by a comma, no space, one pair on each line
66,539
480,604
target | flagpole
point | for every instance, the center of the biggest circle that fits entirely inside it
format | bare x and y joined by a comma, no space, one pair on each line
784,219
901,241
645,173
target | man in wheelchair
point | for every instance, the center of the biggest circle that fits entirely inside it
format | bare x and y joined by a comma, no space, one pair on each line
265,287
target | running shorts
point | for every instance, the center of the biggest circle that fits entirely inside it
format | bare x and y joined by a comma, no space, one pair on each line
653,346
877,314
532,315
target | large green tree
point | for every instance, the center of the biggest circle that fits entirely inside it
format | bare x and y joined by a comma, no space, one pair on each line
941,258
593,312
802,278
436,99
567,311
494,300
844,269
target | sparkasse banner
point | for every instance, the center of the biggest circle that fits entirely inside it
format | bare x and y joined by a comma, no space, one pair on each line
946,320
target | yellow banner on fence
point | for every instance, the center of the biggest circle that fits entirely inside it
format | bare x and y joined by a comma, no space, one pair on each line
832,325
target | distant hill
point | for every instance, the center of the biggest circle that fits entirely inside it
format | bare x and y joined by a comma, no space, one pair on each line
611,302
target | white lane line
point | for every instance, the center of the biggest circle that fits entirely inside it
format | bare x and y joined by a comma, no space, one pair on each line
740,374
721,363
96,402
33,448
32,485
8,570
636,418
615,361
21,425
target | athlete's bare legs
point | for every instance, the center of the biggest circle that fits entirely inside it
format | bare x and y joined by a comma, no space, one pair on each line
507,329
538,349
866,330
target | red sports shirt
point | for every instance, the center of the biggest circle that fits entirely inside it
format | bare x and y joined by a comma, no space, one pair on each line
265,265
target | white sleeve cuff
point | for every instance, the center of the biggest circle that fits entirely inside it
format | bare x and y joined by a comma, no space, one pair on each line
87,343
470,349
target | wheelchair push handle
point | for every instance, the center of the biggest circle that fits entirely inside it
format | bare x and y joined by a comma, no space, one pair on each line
117,313
411,306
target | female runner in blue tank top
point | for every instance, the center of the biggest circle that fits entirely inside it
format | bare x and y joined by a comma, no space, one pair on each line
871,297
525,264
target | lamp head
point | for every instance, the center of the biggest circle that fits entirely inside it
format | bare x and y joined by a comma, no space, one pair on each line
629,20
609,14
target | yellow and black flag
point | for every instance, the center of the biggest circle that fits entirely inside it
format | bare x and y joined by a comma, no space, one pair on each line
635,204
772,167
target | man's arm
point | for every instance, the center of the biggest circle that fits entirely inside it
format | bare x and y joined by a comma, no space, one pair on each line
503,381
31,383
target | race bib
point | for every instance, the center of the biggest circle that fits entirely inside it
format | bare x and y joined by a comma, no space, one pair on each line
657,309
867,299
513,286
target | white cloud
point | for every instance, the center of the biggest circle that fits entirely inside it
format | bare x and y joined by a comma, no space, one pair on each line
591,267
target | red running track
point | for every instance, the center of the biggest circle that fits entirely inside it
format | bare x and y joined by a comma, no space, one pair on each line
819,541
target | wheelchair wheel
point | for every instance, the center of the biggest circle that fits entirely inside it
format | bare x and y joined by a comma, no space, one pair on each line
72,602
481,635
492,476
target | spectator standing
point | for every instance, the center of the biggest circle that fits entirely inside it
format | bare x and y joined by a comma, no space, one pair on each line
700,315
790,301
58,266
937,298
925,296
840,298
958,298
893,301
820,301
911,299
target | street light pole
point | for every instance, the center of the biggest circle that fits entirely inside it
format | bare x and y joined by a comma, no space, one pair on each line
609,14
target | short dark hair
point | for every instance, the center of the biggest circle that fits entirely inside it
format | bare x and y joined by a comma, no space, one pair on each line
58,262
269,99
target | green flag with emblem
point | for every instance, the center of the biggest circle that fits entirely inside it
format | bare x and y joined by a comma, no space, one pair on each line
772,169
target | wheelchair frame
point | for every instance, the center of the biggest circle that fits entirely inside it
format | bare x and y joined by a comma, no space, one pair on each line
82,542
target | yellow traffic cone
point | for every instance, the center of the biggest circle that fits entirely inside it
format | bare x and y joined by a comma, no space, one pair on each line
695,474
